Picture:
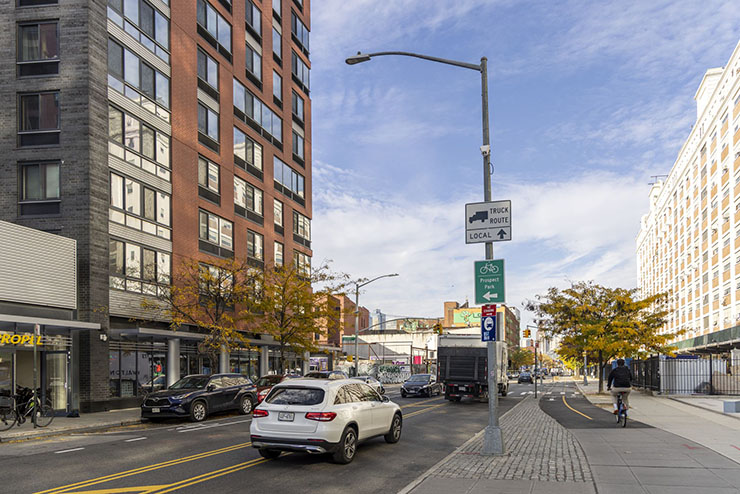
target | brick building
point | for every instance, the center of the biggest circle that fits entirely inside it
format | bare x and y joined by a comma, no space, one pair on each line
150,131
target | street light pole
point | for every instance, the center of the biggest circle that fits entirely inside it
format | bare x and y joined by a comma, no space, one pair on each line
357,315
493,441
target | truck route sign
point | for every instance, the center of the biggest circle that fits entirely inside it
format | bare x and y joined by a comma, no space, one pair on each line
487,222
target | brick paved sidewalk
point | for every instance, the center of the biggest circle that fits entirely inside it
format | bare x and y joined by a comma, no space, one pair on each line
539,451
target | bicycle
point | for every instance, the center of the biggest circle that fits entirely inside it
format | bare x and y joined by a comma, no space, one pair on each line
621,410
488,269
13,414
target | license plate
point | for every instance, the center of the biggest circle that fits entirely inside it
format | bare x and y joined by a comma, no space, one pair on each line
155,410
286,416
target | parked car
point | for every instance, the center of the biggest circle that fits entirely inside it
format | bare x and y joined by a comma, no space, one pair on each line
525,377
421,385
323,416
328,374
512,375
372,382
265,383
198,395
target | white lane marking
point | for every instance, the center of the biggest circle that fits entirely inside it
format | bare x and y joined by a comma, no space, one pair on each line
551,399
523,393
562,392
213,425
68,450
135,439
549,393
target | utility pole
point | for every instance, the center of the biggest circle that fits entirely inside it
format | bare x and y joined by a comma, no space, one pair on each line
585,367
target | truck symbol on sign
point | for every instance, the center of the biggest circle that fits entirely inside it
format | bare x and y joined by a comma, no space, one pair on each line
479,215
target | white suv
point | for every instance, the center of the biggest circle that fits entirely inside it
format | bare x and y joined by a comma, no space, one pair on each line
323,416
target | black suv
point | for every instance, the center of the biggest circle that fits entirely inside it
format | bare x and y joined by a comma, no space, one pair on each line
198,395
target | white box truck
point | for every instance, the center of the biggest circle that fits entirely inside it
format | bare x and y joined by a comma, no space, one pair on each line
462,367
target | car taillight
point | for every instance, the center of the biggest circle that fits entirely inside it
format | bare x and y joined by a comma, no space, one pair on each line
321,416
259,413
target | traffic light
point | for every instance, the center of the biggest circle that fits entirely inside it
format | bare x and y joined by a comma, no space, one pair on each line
438,328
350,358
527,333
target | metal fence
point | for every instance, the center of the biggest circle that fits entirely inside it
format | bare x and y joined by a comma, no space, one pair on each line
688,375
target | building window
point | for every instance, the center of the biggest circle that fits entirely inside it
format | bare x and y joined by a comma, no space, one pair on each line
254,63
138,269
278,252
247,196
247,152
301,225
299,32
215,230
277,8
207,122
214,28
300,71
38,49
250,109
39,189
302,262
298,147
208,70
139,207
138,144
208,175
297,107
254,19
255,243
277,86
38,119
34,3
291,181
278,212
277,44
134,78
145,23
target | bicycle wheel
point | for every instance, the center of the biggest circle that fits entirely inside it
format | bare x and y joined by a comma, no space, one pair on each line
624,418
8,418
44,415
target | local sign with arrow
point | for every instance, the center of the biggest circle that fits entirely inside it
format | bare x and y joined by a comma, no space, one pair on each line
489,282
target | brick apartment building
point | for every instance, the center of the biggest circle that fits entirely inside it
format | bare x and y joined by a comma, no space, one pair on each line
150,131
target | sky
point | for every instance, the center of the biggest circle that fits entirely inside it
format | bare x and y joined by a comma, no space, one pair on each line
588,101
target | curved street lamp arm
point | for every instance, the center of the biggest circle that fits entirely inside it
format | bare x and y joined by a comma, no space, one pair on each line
360,285
364,57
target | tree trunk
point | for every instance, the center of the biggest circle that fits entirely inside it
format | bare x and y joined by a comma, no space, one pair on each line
601,372
282,357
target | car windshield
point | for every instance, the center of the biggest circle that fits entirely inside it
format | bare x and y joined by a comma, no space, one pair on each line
419,378
191,382
295,396
318,374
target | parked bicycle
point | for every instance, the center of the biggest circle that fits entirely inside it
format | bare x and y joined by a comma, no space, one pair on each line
621,411
14,410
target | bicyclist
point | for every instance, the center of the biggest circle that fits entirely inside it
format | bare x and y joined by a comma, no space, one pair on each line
621,379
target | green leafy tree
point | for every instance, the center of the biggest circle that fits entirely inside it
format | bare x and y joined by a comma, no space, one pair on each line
604,322
520,357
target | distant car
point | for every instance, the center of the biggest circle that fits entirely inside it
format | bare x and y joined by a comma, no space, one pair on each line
525,377
421,385
323,416
512,375
265,383
372,382
328,375
198,395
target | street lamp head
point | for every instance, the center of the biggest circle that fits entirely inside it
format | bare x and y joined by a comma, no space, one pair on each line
359,58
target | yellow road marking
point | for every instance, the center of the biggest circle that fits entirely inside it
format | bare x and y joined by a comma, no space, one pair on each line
579,413
210,476
421,402
144,489
144,469
431,407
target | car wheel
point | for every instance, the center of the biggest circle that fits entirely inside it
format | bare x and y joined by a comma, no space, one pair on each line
456,398
403,394
505,391
198,411
246,405
270,454
394,434
347,447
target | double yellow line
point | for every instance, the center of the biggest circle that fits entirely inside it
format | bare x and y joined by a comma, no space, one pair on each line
208,476
145,469
418,412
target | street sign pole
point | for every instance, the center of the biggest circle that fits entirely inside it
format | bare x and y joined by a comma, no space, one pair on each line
493,441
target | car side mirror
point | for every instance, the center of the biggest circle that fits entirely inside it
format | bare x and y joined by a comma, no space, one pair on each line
211,387
386,399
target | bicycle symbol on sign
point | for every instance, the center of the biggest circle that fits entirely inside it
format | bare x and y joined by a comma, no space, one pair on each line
489,268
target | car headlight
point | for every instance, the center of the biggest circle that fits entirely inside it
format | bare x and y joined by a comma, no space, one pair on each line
180,397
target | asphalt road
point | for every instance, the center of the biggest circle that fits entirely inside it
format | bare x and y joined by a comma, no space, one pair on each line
215,456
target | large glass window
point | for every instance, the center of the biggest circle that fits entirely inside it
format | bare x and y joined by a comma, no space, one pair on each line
39,181
297,106
136,268
301,225
138,206
299,31
215,230
298,146
207,69
277,85
277,43
300,71
208,175
247,196
215,25
278,212
254,63
247,150
255,243
145,23
289,178
137,143
254,18
302,262
38,49
251,106
124,66
38,119
207,122
278,254
277,8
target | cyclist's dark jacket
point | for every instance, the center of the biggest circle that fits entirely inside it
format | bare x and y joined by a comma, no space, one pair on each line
621,376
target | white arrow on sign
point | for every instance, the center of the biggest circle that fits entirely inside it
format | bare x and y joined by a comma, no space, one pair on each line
488,296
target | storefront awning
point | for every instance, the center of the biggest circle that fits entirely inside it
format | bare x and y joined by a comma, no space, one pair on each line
10,322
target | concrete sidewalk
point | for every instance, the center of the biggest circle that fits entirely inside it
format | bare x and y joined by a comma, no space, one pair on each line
86,422
715,431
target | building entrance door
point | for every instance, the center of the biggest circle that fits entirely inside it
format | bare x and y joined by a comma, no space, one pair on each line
6,372
56,378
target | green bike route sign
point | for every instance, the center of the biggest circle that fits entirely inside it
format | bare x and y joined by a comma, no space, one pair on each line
489,282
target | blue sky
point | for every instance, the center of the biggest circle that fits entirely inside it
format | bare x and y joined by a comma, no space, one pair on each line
588,100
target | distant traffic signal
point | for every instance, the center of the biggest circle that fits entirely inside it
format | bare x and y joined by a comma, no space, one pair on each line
527,333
